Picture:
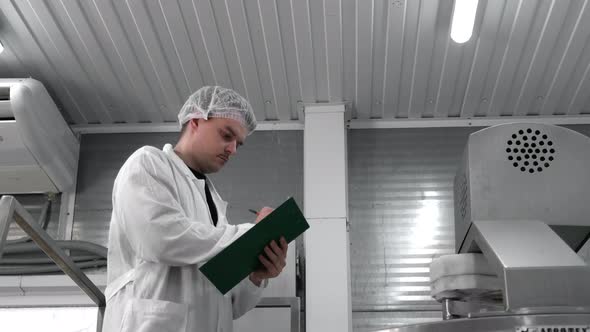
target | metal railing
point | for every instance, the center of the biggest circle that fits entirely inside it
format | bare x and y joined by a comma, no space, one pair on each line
11,209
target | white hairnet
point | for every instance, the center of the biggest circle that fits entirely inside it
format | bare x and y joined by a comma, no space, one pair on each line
218,102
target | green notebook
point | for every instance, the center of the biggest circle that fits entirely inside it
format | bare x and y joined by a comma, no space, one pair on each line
239,259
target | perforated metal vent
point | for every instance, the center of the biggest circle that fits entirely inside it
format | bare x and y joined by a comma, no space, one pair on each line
530,150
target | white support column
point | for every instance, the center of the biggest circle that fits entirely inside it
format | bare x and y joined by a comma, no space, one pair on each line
327,263
65,225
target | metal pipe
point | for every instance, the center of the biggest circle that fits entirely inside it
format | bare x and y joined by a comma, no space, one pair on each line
43,260
446,310
71,245
9,209
36,269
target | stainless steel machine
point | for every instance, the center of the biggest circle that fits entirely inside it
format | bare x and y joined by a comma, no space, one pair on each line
522,211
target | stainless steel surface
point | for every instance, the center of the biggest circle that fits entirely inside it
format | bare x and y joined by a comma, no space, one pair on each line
393,176
514,181
294,303
548,183
520,244
537,268
494,312
136,61
516,323
447,310
371,321
459,309
46,243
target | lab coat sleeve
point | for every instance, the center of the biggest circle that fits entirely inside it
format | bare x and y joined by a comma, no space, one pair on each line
154,222
246,296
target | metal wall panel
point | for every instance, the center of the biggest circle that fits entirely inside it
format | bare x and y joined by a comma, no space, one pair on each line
401,217
34,203
266,170
372,321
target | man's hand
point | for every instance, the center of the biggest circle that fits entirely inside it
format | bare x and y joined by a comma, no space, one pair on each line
273,263
265,211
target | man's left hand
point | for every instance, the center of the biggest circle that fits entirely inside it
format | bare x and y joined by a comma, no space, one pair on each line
273,262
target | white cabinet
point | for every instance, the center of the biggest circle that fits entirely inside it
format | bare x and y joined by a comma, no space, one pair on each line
264,320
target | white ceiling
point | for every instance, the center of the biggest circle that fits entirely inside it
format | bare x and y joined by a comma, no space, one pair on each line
110,61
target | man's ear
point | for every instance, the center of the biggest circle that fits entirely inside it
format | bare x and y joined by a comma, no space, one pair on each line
194,123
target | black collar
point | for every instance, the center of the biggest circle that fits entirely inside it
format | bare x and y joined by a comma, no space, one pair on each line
198,174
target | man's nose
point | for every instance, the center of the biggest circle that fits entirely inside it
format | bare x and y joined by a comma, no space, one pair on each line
232,147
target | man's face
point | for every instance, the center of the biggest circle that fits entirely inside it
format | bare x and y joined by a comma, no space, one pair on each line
215,141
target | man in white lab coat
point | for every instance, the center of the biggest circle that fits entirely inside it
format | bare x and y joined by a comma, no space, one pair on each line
168,220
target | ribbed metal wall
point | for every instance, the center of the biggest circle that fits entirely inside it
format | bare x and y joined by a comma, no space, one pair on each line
266,170
400,204
371,321
401,215
34,205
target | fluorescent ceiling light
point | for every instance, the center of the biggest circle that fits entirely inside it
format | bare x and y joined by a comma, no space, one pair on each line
463,19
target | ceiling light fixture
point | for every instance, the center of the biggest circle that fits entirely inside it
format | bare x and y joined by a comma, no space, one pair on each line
463,20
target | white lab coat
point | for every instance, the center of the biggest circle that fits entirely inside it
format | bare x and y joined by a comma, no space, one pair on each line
161,233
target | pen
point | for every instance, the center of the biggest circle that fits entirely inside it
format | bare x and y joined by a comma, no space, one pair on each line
253,211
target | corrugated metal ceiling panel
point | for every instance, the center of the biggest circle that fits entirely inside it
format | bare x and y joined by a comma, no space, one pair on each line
136,61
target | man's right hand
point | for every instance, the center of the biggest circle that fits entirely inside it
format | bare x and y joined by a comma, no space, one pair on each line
265,211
